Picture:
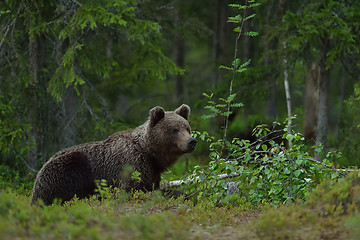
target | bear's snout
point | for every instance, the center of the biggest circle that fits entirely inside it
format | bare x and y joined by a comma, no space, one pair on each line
191,144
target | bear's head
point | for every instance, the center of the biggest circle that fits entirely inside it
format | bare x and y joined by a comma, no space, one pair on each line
169,132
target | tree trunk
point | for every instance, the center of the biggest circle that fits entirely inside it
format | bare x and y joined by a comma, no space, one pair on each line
287,92
219,38
70,110
33,114
180,62
247,43
342,100
179,59
109,47
322,122
69,103
311,107
275,9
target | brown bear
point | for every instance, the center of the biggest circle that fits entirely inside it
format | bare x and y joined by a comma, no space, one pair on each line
149,149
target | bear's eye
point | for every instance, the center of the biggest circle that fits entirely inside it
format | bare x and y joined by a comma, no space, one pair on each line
188,129
174,131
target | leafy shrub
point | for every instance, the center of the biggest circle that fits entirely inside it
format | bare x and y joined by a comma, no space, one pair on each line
353,223
266,171
13,146
10,178
330,213
349,135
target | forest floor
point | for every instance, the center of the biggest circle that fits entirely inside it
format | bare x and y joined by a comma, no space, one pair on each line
330,212
152,216
140,216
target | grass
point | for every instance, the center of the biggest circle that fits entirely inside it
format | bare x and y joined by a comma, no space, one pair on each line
141,216
331,212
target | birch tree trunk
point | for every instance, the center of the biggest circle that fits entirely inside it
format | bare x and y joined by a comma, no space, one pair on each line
283,4
287,92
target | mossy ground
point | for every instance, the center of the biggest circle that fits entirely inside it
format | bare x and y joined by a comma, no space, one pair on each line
331,212
140,216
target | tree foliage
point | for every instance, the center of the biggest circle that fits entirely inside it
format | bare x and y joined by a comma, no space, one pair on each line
51,47
76,71
307,29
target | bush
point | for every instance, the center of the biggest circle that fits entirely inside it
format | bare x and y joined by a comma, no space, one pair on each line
10,178
331,212
265,171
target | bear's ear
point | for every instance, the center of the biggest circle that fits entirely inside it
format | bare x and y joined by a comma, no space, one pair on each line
184,111
156,114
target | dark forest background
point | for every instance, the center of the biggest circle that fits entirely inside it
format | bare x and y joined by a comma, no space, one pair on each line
77,71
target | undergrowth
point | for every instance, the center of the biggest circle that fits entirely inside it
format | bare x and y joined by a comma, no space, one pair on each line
111,216
331,212
10,178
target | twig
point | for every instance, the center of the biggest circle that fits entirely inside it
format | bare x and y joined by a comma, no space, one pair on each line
8,28
25,162
328,166
261,140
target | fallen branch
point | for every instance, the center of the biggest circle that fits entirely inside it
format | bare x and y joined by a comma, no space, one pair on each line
177,183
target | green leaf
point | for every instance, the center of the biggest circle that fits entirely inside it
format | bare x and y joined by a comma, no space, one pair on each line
220,105
204,94
334,175
238,6
236,19
231,98
290,137
297,173
225,67
252,34
226,114
250,16
308,180
264,147
237,105
299,161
